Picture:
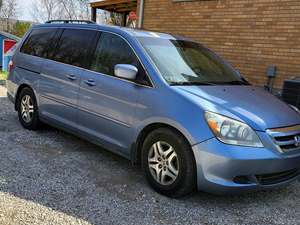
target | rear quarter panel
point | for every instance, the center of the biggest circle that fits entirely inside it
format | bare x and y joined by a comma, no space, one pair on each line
26,71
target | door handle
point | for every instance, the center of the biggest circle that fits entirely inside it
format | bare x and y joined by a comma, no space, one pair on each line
90,82
71,77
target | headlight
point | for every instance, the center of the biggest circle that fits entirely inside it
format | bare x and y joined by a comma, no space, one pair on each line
231,131
295,108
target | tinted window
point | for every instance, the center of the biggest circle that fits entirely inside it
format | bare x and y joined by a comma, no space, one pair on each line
38,42
112,50
73,47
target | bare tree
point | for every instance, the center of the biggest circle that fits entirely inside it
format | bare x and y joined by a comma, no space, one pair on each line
50,6
75,9
8,12
44,10
84,9
69,9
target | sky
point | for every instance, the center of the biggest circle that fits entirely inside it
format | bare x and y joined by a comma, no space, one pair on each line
24,10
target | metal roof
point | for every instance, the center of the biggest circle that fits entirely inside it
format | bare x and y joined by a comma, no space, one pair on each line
119,6
9,36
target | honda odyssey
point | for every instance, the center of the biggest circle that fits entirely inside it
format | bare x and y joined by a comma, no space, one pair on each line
165,102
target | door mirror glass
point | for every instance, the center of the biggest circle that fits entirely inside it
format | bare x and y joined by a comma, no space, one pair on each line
126,71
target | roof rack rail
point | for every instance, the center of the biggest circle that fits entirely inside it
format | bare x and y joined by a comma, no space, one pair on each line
71,21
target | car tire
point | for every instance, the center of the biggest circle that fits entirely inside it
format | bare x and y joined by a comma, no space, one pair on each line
28,110
168,163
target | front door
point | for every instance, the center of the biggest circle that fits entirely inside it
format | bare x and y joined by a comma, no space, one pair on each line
107,103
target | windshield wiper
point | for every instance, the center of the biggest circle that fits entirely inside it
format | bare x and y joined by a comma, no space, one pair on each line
190,83
236,82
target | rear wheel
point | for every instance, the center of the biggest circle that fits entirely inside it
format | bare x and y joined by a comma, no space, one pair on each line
168,163
28,110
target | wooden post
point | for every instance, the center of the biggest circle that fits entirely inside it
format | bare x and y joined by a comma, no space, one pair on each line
94,14
123,20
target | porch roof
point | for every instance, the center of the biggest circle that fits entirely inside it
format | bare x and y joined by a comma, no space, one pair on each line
119,6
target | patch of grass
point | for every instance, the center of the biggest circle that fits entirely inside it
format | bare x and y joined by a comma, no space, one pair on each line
3,75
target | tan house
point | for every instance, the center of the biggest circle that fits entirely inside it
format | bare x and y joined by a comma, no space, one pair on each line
251,35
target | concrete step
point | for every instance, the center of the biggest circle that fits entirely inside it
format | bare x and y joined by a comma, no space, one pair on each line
2,91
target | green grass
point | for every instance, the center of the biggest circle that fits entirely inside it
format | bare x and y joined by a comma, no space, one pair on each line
3,75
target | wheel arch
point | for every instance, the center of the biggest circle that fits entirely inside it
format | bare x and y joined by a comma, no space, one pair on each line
20,88
143,133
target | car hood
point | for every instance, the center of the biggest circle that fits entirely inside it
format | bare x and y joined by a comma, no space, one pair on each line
253,105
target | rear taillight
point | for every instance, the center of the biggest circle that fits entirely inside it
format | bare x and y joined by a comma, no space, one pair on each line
10,65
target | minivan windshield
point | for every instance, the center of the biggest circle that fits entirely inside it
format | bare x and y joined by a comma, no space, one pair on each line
183,62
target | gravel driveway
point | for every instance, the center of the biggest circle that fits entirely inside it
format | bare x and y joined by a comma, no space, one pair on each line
51,177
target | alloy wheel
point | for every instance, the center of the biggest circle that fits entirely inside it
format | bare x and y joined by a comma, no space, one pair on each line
27,108
163,163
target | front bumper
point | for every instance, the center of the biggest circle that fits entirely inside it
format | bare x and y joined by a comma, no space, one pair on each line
229,169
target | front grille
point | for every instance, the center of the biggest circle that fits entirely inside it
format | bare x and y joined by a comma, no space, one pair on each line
275,178
287,139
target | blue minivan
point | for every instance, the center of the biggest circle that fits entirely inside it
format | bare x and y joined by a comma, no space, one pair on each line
165,102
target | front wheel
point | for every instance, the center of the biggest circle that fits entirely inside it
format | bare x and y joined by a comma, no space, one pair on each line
168,163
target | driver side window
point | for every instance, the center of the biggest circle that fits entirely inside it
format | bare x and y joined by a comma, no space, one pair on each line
112,50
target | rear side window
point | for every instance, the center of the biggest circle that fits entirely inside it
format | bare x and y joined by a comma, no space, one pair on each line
112,50
73,47
38,42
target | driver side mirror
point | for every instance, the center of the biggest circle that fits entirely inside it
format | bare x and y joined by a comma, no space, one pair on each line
126,71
